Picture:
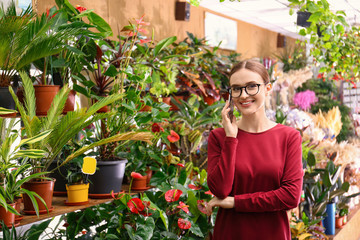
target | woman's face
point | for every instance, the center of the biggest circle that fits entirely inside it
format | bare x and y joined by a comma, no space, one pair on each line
245,103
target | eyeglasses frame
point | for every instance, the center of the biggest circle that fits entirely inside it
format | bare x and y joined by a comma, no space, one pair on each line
241,89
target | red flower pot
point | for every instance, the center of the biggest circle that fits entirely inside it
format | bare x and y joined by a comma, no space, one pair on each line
6,216
44,95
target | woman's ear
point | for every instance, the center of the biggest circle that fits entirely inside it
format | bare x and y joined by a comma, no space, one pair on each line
268,88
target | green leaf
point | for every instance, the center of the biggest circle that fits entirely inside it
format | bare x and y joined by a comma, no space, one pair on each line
196,230
327,45
302,32
311,159
36,138
163,44
111,71
37,229
326,37
100,24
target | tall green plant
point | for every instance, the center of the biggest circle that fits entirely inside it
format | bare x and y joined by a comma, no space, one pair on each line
25,39
63,128
13,174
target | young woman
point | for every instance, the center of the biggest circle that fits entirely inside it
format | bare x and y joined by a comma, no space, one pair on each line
254,164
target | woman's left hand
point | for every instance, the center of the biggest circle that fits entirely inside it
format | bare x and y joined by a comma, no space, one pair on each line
227,202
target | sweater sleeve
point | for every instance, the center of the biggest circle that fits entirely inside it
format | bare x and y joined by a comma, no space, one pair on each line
221,165
287,196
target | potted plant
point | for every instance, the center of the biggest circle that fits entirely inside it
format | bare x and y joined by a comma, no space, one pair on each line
333,41
77,183
144,158
13,175
62,128
22,42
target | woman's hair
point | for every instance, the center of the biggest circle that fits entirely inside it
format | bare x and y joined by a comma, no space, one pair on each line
253,66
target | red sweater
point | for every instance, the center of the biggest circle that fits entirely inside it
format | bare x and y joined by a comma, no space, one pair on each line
263,171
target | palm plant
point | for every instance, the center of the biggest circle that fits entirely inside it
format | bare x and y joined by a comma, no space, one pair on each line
63,128
13,175
25,38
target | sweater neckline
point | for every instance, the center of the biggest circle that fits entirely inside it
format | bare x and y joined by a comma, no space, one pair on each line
256,133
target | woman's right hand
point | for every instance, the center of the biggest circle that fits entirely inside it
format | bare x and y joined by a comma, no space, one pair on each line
231,128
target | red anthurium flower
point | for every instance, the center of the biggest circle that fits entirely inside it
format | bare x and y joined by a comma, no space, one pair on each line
194,187
80,8
173,195
136,175
155,128
180,165
201,204
183,206
209,193
184,224
173,137
135,205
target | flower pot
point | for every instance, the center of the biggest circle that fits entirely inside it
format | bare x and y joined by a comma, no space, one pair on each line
44,95
18,201
7,101
45,190
7,216
329,220
77,193
70,102
302,19
340,221
107,178
149,173
60,176
139,183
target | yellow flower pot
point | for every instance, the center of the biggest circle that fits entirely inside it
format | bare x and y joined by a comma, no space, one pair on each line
77,193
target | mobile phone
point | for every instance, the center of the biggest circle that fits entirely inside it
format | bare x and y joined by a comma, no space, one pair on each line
231,106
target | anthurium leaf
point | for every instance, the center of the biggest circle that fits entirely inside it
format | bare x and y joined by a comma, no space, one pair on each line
196,230
145,230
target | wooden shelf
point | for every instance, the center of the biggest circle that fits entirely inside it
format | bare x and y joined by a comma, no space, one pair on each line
351,230
60,208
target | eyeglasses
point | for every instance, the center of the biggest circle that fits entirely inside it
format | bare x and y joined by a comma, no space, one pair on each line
251,90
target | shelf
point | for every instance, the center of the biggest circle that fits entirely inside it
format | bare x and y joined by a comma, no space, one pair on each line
60,208
351,231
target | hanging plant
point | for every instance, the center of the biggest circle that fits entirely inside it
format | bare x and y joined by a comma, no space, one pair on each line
335,45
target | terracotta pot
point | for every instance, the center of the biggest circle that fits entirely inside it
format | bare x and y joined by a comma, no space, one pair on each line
44,95
139,183
149,173
45,190
6,216
340,221
70,102
18,202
